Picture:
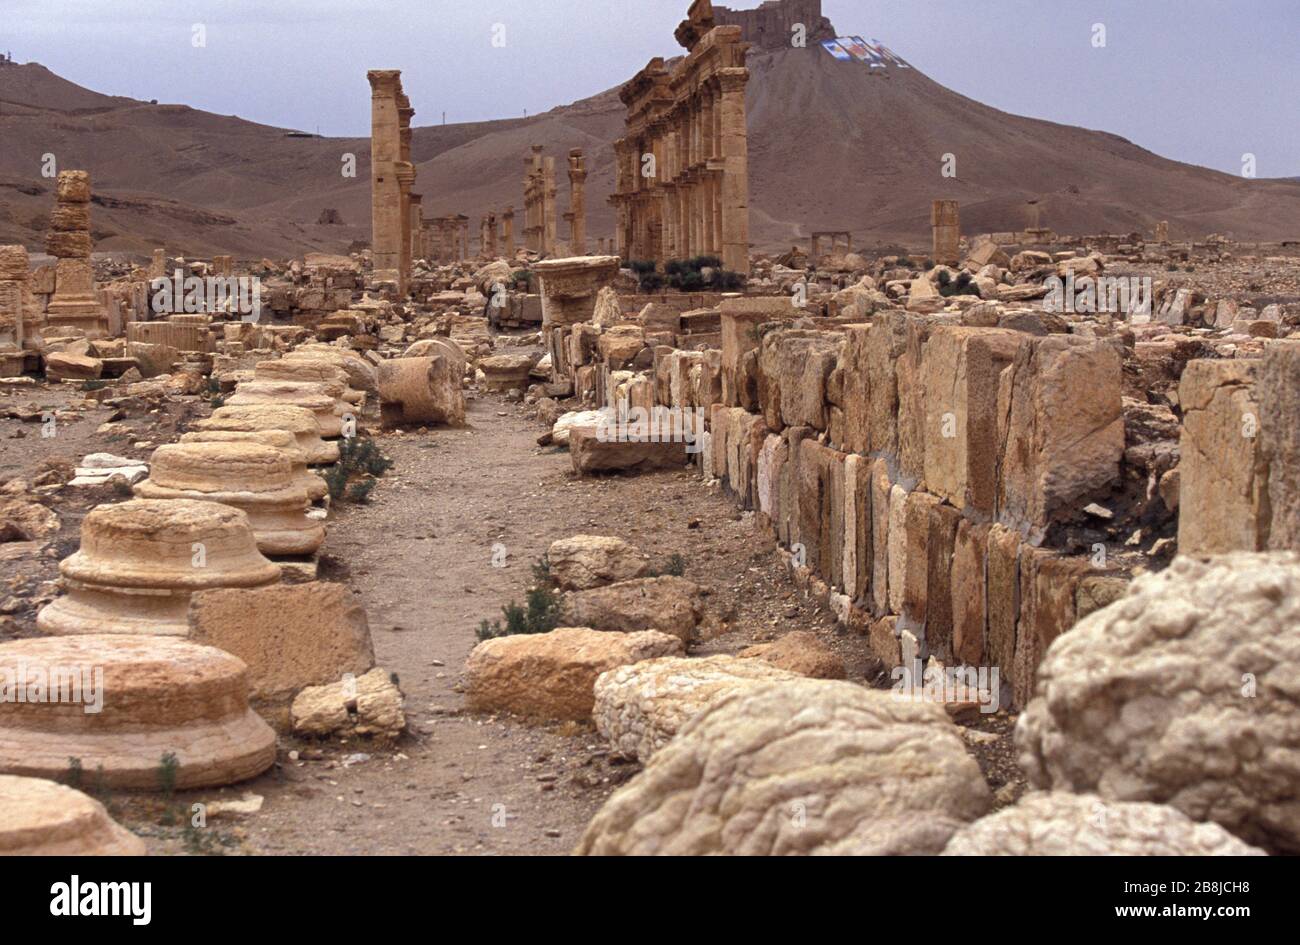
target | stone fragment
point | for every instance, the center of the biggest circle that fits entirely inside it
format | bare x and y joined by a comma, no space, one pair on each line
668,604
604,449
799,652
1181,693
800,766
370,704
586,561
299,421
552,675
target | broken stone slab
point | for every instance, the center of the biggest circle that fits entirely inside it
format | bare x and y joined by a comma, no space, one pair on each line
669,604
552,675
585,561
502,372
605,449
140,561
135,700
42,818
574,418
864,773
291,637
98,468
639,708
24,521
366,705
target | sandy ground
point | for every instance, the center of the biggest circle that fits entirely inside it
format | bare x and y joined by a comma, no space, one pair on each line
420,556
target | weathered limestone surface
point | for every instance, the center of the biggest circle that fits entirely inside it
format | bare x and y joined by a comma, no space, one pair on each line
798,767
74,304
421,390
552,675
41,818
569,287
1056,823
668,604
592,450
1064,429
291,637
1148,699
800,652
257,479
160,695
640,707
585,561
140,561
1220,492
281,440
945,224
1279,390
327,407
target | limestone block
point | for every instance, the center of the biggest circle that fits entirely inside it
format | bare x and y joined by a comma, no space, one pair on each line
897,547
740,319
326,407
592,451
1002,580
72,367
1048,587
869,774
41,818
160,695
960,373
969,602
309,370
140,561
291,637
668,604
552,675
640,707
502,372
586,561
281,440
1064,429
880,496
1279,392
1181,693
1220,494
420,390
940,543
919,507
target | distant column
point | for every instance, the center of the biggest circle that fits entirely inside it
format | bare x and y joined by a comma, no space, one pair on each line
945,228
577,203
74,304
548,205
508,221
385,189
735,171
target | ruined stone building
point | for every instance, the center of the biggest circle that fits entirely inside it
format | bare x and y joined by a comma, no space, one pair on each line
391,177
74,304
682,179
539,202
775,24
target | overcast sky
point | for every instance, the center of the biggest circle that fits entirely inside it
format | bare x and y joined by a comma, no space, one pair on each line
1203,81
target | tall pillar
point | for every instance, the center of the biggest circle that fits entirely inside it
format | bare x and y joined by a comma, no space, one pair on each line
548,205
417,226
13,296
385,189
577,214
945,228
735,173
74,304
508,221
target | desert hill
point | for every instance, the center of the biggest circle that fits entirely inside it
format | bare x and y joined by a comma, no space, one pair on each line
833,145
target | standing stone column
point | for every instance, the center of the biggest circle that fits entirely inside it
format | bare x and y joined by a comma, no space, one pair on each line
945,228
417,226
548,205
577,215
508,222
735,170
13,295
1162,231
74,304
385,190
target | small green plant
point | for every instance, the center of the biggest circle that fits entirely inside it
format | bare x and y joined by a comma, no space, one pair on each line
73,778
540,612
168,766
962,285
355,475
675,566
